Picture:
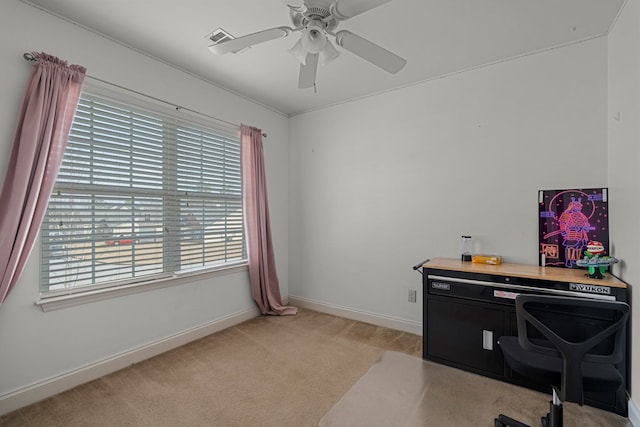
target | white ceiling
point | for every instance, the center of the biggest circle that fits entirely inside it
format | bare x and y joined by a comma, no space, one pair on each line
437,37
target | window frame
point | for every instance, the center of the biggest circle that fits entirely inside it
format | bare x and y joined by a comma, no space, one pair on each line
55,299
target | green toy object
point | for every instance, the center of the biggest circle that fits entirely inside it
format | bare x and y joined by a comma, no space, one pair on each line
595,260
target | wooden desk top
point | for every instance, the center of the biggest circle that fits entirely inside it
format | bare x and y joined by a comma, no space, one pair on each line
556,274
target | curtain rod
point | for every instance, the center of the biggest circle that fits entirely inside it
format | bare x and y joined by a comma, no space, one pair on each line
30,57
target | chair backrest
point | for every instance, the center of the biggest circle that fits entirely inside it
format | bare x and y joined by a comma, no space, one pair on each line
578,329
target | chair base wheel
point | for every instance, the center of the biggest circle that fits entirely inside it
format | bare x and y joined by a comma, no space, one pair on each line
504,421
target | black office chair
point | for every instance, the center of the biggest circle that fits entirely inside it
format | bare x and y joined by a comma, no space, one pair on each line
571,359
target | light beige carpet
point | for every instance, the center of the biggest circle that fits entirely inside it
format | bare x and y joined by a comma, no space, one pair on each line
291,371
269,371
402,390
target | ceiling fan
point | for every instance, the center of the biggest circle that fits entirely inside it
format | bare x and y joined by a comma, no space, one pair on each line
316,20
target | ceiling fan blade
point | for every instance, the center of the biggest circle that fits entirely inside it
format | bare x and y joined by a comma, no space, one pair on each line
371,52
295,5
308,71
344,9
240,43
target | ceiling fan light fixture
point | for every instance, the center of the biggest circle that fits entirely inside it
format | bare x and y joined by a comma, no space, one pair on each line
299,52
314,38
329,53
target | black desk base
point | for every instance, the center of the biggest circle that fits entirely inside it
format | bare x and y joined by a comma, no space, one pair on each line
466,312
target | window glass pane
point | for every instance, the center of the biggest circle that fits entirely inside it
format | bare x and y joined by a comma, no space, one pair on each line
212,232
140,195
207,163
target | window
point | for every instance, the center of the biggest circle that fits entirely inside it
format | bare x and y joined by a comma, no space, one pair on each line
140,196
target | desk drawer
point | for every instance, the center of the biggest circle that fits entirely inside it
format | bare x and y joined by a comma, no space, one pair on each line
493,292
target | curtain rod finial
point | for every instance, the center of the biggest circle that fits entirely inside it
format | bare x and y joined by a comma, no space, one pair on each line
29,56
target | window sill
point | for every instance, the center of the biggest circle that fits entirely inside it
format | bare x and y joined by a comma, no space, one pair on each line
88,296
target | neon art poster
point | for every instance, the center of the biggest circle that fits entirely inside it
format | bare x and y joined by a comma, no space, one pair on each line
568,219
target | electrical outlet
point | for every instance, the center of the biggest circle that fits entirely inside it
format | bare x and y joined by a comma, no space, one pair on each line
412,295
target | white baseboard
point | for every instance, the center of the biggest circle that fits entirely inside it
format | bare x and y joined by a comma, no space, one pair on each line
390,322
52,386
634,413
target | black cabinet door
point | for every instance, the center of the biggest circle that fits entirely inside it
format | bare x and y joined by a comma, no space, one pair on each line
464,335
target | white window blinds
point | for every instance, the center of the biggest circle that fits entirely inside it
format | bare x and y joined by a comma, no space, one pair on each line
141,195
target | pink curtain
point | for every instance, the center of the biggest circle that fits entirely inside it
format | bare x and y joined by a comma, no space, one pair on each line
265,288
38,146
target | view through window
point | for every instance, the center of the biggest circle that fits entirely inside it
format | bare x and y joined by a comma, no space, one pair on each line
141,195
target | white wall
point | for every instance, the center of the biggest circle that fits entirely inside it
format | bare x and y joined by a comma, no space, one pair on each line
380,184
376,185
35,346
624,161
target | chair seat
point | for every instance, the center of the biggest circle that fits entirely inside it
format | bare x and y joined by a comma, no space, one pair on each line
547,369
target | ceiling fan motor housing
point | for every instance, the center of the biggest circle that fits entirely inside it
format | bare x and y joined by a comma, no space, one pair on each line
319,13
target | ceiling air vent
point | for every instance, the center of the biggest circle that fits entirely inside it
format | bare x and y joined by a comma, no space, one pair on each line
219,35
